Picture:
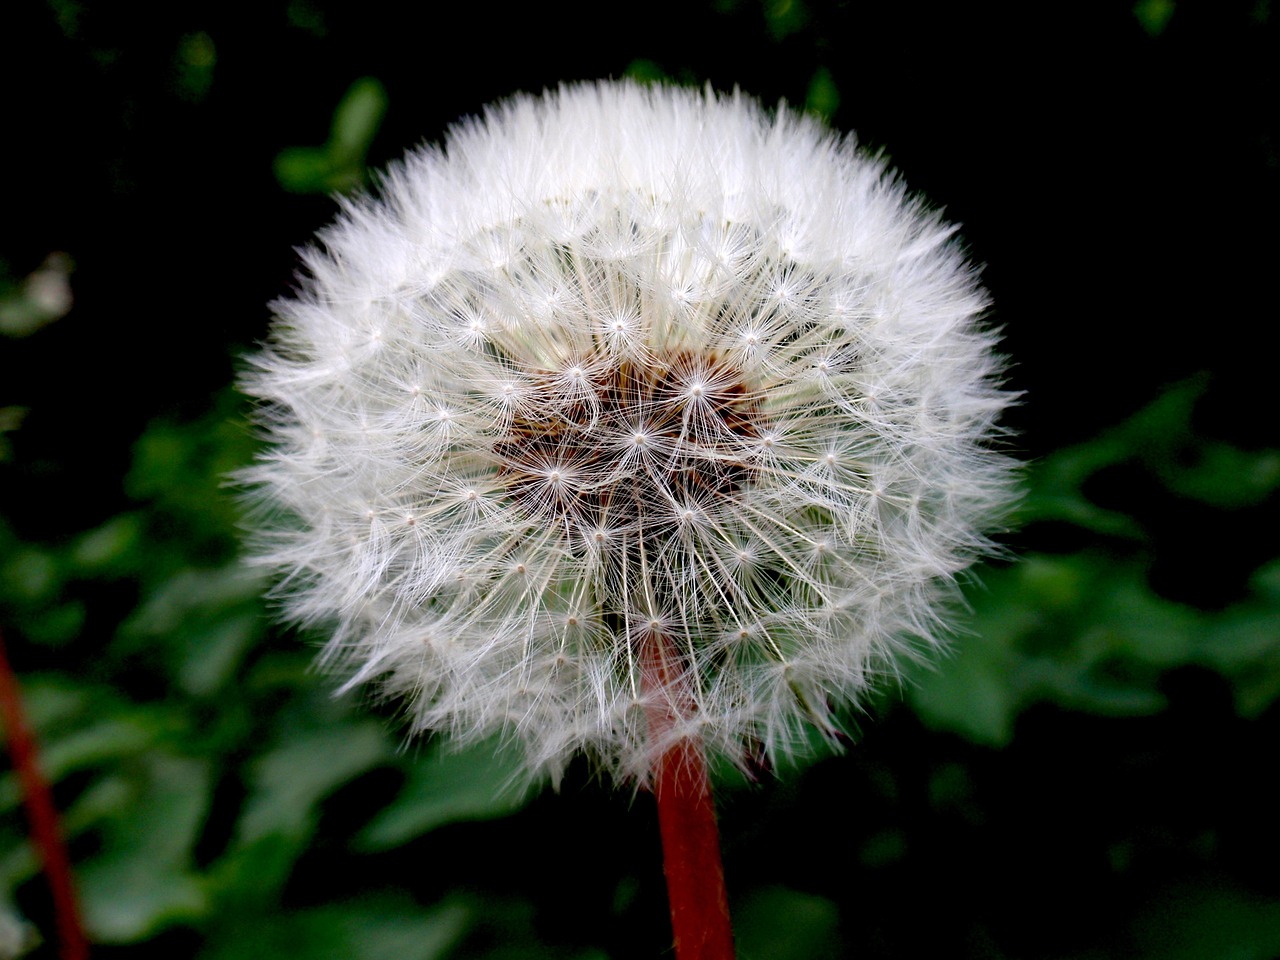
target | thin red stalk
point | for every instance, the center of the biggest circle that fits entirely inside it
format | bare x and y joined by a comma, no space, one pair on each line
42,816
686,818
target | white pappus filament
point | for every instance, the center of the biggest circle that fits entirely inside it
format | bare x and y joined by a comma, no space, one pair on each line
618,361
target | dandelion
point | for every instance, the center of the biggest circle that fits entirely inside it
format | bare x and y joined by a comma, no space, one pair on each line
630,418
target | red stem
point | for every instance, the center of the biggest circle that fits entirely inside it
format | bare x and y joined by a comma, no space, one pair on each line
686,818
42,816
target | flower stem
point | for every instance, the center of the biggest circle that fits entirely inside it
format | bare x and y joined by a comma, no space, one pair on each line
686,818
42,815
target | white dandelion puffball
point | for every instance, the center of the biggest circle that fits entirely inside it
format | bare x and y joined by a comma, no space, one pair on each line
620,366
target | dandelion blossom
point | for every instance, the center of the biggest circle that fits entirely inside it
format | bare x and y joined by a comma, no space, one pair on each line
622,377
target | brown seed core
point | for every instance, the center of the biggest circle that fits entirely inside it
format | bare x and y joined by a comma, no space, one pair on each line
611,444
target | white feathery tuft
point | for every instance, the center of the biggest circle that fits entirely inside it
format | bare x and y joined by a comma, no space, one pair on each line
619,362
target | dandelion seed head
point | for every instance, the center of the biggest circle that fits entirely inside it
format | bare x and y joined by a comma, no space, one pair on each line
675,367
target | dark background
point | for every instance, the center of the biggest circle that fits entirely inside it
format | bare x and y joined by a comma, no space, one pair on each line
1087,777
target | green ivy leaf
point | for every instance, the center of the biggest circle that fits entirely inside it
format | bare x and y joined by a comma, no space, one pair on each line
1225,477
205,621
288,784
373,929
1080,631
144,879
480,782
291,780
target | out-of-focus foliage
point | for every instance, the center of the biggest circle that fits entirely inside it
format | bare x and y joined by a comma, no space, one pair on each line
1085,629
208,773
1088,775
197,761
338,165
41,298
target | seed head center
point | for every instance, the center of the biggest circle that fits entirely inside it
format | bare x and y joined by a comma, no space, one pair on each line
628,445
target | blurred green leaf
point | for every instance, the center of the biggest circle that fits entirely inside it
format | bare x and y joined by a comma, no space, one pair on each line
357,118
106,797
1154,15
290,780
1158,436
645,71
111,548
312,170
29,574
17,937
1226,477
11,418
1243,643
969,692
18,861
883,848
52,705
1056,488
306,16
194,61
190,592
144,879
1086,630
1084,633
338,165
480,782
43,297
206,621
1090,634
51,700
107,738
1208,919
1266,581
785,17
823,96
180,470
215,652
780,924
57,625
287,785
80,731
372,929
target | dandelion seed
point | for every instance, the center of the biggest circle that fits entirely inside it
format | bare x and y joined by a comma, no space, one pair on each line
698,393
